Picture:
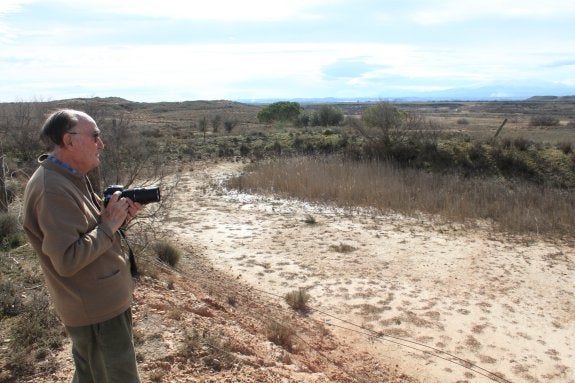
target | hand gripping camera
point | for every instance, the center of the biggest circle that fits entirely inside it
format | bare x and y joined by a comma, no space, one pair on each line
143,195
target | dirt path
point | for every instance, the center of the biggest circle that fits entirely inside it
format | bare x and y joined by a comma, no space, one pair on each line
506,306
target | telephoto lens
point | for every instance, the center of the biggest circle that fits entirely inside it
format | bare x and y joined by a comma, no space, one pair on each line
142,195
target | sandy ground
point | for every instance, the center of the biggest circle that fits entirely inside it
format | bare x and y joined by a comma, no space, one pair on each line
463,303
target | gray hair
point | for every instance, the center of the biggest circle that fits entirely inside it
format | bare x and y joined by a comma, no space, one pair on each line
58,124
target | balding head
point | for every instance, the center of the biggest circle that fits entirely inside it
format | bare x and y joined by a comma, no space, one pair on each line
58,124
74,138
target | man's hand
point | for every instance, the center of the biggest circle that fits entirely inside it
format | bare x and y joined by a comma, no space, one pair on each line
119,210
133,209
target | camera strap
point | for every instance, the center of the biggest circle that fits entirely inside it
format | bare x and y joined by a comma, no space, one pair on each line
133,266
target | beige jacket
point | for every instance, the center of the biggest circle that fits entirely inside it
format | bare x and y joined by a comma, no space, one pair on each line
86,272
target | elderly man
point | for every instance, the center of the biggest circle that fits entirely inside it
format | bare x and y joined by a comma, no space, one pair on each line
81,251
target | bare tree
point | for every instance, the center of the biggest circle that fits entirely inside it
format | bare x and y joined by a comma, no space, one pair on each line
380,120
19,142
203,126
20,126
4,200
216,122
229,125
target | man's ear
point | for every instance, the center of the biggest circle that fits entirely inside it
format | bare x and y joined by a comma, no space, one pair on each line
67,140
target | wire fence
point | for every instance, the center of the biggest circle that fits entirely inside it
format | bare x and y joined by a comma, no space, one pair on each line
347,325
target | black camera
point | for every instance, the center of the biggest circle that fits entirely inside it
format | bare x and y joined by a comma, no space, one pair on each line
142,195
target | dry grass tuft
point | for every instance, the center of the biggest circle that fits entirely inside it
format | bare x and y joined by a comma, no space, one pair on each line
212,349
280,335
342,248
309,219
167,253
298,299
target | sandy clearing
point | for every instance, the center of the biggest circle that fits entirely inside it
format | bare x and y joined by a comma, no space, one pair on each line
506,305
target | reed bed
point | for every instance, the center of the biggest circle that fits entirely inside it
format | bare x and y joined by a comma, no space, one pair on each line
512,206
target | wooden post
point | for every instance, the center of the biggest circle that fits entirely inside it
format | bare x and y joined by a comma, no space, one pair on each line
501,127
3,193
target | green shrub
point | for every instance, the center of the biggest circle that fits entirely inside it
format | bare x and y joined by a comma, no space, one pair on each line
382,115
167,253
280,111
303,120
327,115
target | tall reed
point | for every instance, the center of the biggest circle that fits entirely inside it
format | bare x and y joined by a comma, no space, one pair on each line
513,206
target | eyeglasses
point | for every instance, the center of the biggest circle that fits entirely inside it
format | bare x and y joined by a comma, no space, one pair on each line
95,135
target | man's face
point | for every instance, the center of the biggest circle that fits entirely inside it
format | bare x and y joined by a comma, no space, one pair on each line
87,145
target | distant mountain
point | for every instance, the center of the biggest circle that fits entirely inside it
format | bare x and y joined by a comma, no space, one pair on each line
552,98
507,92
502,92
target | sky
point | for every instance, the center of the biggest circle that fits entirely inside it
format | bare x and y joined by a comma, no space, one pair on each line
180,50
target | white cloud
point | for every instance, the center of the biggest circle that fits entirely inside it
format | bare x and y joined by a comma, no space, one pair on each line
215,71
8,7
449,11
206,70
226,10
12,6
50,58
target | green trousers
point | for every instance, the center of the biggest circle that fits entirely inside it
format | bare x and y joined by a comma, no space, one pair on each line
104,352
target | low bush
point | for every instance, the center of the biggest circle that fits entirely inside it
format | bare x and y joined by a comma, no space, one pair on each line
298,299
280,335
280,111
543,120
342,248
213,350
565,147
310,219
191,344
167,253
35,335
327,115
10,233
522,143
11,303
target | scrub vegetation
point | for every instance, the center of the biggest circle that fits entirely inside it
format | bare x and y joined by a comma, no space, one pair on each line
508,163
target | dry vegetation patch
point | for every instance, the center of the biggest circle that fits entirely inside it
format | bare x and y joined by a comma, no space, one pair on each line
404,253
514,207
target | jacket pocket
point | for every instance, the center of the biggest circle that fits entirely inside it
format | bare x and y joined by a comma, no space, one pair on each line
111,275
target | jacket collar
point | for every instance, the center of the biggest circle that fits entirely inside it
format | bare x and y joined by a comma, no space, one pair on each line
75,177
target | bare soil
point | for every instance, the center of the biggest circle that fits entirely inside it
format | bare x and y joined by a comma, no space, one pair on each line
394,298
453,304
